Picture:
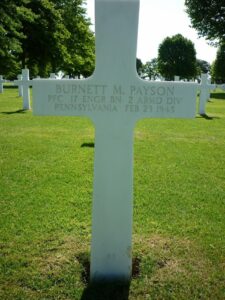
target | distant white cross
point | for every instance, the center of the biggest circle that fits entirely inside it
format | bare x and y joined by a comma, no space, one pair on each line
221,86
212,86
1,84
20,85
204,88
25,82
52,76
114,97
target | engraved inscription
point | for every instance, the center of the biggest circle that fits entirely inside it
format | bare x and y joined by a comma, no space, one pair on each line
142,99
80,89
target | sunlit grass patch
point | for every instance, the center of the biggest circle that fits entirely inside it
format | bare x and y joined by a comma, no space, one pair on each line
46,173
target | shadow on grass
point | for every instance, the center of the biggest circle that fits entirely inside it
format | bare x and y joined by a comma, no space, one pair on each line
10,87
19,111
109,291
220,96
115,290
88,145
205,116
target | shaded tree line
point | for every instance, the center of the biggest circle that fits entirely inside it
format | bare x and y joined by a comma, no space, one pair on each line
208,18
45,36
218,66
176,56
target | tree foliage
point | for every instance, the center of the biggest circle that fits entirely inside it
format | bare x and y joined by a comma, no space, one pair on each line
81,44
208,18
202,67
150,69
139,66
12,15
218,67
44,47
177,56
45,36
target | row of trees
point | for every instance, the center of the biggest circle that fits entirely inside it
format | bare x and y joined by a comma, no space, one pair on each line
174,59
51,35
208,18
45,36
218,66
176,56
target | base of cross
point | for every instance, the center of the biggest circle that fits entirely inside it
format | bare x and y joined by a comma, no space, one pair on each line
111,247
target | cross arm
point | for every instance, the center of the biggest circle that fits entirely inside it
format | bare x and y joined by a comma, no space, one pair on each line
103,99
23,82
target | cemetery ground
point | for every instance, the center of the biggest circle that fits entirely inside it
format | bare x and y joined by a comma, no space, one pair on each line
46,198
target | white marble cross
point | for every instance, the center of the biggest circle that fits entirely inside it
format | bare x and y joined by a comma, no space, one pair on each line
204,96
221,86
114,97
52,76
212,86
1,84
25,82
20,85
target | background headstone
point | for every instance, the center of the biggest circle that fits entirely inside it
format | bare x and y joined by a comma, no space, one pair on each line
1,83
221,86
26,83
176,78
204,88
26,88
211,87
52,76
20,86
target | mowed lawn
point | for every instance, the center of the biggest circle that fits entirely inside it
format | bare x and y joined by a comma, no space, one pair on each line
46,184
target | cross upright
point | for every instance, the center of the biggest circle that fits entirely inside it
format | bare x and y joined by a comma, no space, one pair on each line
204,96
25,82
114,97
1,84
52,76
20,86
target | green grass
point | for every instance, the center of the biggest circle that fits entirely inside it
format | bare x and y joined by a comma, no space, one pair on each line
46,196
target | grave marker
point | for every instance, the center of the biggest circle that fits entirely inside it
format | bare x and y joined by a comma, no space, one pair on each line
114,97
211,87
52,76
25,83
176,78
1,84
221,86
204,88
20,86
